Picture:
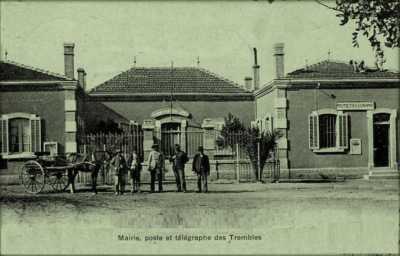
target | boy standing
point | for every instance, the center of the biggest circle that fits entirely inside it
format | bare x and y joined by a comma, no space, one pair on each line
134,167
119,164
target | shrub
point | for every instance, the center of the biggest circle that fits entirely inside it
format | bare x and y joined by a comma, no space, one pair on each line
252,140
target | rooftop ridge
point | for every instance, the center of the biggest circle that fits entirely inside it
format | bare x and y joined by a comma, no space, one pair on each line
220,77
192,76
47,72
338,68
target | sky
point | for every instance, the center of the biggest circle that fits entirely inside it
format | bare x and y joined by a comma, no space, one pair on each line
108,34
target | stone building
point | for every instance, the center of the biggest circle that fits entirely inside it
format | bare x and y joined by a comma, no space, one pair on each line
335,118
39,110
173,103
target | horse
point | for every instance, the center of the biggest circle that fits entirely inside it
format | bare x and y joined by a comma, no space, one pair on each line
86,163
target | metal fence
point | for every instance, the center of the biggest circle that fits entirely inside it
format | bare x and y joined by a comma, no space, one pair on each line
233,146
126,142
191,140
194,139
230,155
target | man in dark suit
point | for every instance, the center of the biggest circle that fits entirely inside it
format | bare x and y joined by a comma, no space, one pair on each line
201,166
178,162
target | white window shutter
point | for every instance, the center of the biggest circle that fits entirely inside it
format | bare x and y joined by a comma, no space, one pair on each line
343,130
36,135
268,123
3,136
313,127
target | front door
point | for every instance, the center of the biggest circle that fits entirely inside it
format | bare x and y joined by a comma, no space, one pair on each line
381,140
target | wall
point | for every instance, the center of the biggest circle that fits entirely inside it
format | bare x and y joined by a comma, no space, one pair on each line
266,104
141,110
303,101
49,105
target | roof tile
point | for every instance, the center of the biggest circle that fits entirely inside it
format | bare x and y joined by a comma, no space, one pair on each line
167,80
13,71
339,70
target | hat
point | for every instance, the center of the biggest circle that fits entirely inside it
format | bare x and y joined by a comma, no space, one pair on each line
200,148
154,146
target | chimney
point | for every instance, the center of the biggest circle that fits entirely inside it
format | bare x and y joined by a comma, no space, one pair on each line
256,69
279,60
69,60
248,83
82,78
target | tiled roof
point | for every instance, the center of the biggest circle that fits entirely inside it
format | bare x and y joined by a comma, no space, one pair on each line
184,80
12,71
339,70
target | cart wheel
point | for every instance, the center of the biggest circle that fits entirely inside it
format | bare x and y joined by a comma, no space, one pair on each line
58,181
32,177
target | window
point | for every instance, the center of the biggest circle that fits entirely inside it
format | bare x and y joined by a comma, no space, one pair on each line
328,131
19,133
51,147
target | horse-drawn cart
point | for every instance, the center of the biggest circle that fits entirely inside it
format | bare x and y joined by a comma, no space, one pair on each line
57,172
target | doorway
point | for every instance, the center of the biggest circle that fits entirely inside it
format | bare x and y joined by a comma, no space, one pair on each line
381,139
170,135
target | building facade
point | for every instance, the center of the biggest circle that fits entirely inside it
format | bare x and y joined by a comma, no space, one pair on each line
39,110
334,117
173,103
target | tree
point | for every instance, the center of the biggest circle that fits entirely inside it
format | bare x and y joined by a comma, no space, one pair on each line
265,141
107,126
377,20
251,139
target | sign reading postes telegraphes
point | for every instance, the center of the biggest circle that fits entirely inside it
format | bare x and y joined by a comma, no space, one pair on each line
359,105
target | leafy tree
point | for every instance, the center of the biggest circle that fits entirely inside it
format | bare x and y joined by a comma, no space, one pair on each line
377,20
266,141
250,138
232,125
107,126
231,131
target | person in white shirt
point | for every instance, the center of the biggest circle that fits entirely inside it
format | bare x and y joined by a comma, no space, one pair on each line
156,168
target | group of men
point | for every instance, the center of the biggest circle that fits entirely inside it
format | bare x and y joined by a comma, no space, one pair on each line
156,167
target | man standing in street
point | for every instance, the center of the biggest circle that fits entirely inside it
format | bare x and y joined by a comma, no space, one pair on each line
178,161
201,166
156,168
134,171
119,164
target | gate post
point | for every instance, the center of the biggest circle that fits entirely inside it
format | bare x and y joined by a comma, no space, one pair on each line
208,136
183,135
148,133
237,164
